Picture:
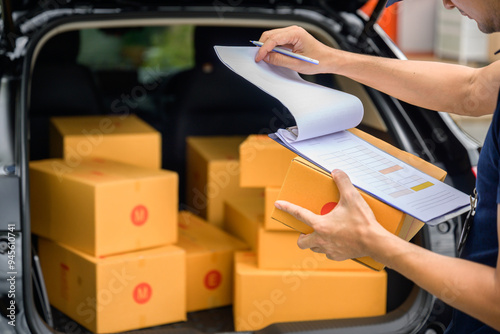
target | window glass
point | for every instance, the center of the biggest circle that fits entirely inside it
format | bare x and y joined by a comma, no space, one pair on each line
160,50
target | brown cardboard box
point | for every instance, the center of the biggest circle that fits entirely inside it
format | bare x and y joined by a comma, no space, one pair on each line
264,297
209,262
321,198
126,139
213,172
116,293
243,217
103,207
279,250
264,162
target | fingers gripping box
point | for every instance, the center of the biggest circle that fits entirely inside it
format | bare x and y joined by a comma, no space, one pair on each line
209,262
124,138
103,207
312,188
271,195
116,293
279,250
274,249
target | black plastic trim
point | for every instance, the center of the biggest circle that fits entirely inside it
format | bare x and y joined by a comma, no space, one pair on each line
407,319
10,203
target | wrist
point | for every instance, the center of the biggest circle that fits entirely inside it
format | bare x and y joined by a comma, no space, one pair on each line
380,244
338,61
329,60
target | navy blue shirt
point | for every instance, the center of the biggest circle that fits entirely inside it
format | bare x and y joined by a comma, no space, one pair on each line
482,243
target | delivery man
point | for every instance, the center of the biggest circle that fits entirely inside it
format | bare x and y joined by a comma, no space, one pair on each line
471,283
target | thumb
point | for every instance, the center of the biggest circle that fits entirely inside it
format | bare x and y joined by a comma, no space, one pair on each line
344,184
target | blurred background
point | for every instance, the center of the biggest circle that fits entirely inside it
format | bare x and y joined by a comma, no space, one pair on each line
425,30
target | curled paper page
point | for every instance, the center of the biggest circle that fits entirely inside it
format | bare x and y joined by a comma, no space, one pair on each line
309,103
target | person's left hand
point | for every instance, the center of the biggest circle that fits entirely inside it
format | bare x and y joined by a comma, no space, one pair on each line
347,232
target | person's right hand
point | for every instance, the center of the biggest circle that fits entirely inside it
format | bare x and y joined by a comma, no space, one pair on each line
300,42
349,231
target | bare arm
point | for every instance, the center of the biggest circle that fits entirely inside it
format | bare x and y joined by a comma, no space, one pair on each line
438,86
350,231
470,287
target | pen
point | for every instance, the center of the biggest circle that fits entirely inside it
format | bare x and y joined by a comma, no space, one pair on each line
289,53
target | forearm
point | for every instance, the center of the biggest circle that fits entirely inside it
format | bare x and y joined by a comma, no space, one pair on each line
470,287
438,86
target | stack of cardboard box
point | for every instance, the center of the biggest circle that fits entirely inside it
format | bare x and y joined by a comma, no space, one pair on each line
107,221
112,241
279,282
213,175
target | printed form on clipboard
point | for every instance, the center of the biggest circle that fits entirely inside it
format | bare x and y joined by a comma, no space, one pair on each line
323,116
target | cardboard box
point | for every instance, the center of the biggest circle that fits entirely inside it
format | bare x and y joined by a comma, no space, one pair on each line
264,297
264,162
321,198
209,262
126,139
279,250
213,172
103,207
116,293
243,218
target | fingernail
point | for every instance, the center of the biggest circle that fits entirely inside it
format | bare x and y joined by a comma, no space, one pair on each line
277,205
266,59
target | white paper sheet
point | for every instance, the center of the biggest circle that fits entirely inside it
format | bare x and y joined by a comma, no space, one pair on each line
317,110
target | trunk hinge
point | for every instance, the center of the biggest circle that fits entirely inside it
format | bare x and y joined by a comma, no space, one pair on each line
9,33
375,15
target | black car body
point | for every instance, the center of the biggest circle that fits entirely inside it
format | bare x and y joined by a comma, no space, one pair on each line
37,83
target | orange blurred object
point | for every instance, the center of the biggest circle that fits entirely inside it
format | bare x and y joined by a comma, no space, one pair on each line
388,20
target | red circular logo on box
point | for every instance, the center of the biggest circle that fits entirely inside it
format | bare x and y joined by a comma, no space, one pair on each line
142,293
328,207
139,215
213,279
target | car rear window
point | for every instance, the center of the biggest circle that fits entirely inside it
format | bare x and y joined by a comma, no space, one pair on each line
165,50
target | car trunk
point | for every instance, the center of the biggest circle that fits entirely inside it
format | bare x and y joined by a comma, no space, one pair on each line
55,74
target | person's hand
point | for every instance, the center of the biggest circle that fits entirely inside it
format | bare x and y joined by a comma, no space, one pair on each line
300,42
347,232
